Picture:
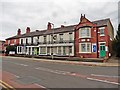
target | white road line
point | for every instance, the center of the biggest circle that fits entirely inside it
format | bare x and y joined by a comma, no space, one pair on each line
39,85
103,75
23,65
52,71
103,81
17,76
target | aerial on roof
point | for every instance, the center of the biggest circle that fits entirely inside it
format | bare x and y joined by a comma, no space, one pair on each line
57,30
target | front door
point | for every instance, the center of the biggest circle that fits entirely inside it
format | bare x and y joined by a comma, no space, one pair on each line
102,51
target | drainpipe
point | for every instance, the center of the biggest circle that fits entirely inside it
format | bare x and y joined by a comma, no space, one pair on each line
97,42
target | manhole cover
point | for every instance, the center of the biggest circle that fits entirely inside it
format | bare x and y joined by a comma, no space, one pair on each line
27,80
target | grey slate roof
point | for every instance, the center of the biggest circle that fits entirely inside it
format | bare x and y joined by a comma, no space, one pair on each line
101,22
58,30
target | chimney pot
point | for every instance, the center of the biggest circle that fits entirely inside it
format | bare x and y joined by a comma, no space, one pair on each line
19,32
49,26
62,26
28,30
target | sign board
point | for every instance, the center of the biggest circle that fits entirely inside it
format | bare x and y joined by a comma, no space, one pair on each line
12,52
94,47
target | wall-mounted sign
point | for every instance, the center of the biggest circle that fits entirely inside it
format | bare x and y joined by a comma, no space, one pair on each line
94,47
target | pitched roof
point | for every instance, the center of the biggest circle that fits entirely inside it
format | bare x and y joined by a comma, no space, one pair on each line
101,22
58,30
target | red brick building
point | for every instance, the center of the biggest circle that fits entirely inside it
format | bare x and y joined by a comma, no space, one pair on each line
87,39
93,39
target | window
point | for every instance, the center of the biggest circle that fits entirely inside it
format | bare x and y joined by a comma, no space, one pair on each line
43,50
85,47
26,41
59,50
55,50
64,50
20,49
14,41
84,32
44,39
70,49
21,41
70,36
102,31
61,37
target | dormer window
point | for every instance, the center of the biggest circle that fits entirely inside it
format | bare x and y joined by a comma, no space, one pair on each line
84,32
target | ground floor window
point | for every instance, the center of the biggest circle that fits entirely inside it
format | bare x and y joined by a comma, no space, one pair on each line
70,49
48,50
64,50
59,50
54,50
29,50
43,50
85,47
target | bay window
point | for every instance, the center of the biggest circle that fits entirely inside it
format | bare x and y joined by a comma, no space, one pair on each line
85,32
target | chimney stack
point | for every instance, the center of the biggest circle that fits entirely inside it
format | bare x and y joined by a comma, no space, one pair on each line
62,26
49,26
82,17
28,30
19,32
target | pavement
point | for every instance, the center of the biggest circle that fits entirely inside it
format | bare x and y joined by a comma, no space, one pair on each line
110,63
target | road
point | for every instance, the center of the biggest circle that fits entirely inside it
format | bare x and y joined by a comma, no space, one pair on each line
57,75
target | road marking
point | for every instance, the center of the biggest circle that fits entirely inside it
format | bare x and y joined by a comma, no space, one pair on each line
39,85
53,71
23,65
7,85
3,86
74,74
103,81
103,75
17,76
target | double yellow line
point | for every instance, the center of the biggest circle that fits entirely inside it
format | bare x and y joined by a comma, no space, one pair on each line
6,86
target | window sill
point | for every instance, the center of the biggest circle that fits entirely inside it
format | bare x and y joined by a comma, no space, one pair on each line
84,52
84,37
102,35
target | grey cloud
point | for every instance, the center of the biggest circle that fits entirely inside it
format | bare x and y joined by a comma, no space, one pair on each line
37,14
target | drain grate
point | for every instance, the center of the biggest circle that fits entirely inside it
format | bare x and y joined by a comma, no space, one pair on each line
27,80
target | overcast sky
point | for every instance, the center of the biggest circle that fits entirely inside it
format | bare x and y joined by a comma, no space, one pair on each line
37,13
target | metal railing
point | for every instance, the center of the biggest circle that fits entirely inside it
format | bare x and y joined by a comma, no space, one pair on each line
49,42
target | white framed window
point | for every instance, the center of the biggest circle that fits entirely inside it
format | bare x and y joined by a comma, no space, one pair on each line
102,31
43,50
61,37
85,32
70,36
85,47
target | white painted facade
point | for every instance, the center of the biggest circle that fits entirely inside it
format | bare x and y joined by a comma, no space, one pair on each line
65,48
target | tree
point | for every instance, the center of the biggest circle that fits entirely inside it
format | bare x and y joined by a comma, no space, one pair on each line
116,43
10,48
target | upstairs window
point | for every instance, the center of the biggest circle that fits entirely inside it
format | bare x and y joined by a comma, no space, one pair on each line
70,36
45,40
21,41
26,41
102,32
84,33
61,37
